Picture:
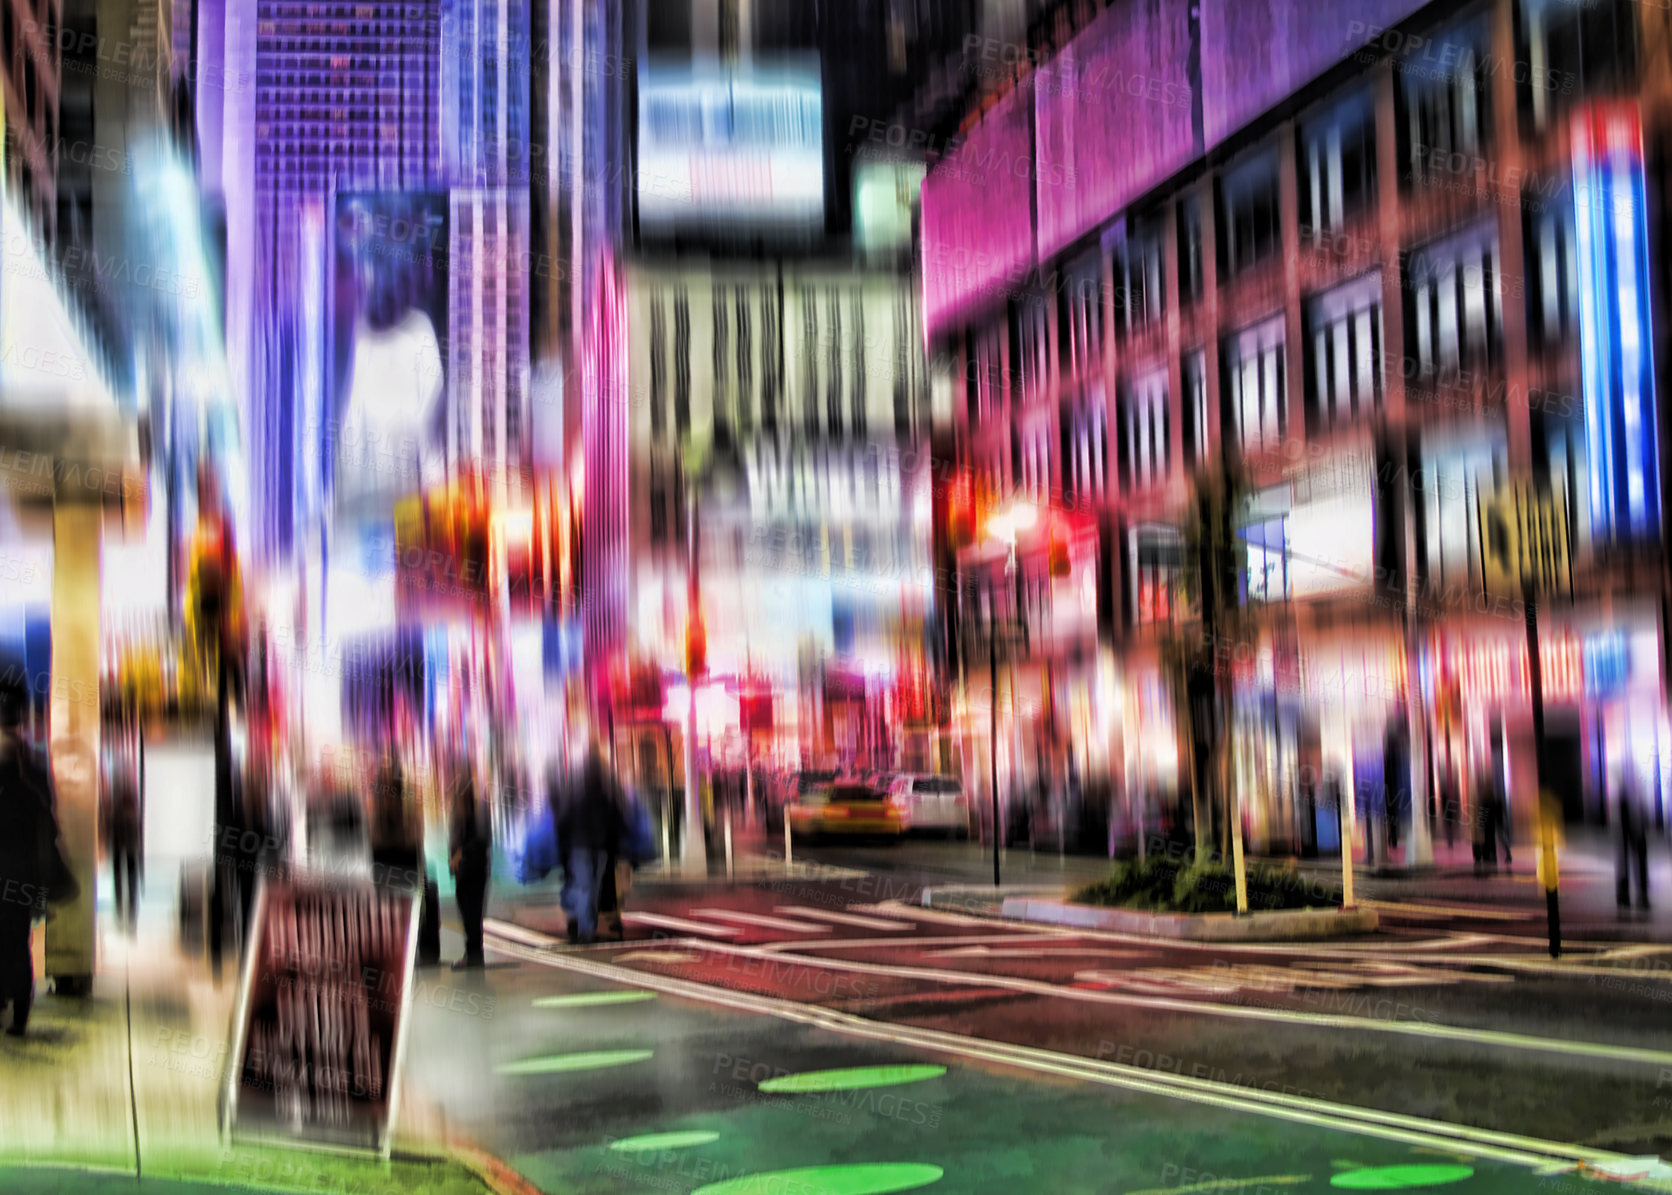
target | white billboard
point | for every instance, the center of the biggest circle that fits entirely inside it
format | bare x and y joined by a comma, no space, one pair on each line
731,146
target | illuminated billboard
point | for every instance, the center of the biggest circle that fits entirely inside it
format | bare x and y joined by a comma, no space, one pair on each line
1615,327
389,349
727,147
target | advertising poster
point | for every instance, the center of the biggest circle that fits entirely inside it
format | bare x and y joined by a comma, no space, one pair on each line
321,1019
389,349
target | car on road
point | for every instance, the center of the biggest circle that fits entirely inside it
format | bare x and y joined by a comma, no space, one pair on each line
933,803
850,810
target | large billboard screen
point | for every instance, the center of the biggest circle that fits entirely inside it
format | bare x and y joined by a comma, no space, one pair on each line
731,148
389,349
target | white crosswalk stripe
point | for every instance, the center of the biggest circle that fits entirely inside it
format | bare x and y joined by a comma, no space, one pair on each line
761,919
876,923
662,921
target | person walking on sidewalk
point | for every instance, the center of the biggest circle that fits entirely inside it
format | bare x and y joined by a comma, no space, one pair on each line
31,859
470,841
397,842
1634,850
589,829
127,847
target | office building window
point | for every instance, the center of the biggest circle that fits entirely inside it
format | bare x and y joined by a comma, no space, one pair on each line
1156,566
682,364
1138,293
1198,432
1083,435
1344,346
833,384
1455,298
860,424
745,359
658,367
1445,109
809,361
1337,165
987,374
1249,221
1190,249
1567,50
1144,429
1030,347
1552,273
1082,317
1253,388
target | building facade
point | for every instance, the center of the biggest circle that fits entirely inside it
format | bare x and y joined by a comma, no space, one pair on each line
1404,282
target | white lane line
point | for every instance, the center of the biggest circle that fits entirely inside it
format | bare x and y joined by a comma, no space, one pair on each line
876,923
1040,952
762,920
663,921
893,908
1427,1029
879,943
1414,1130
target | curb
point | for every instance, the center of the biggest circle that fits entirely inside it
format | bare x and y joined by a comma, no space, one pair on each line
1284,925
495,1174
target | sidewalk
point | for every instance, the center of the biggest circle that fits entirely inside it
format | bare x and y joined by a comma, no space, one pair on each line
126,1082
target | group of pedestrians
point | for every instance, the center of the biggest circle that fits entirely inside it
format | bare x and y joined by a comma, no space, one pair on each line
602,834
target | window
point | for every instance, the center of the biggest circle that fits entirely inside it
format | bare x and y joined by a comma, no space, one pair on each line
1157,562
810,361
859,370
833,383
1571,49
658,506
1253,387
1144,429
658,366
745,358
904,380
986,376
1138,295
1445,113
1083,316
1455,299
1249,213
772,356
682,364
1190,249
1268,559
1198,432
1030,347
1337,166
1344,344
1552,273
1085,447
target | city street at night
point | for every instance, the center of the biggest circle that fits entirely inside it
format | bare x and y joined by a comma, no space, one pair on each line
754,597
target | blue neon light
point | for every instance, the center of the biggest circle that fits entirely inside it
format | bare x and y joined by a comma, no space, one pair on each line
1611,226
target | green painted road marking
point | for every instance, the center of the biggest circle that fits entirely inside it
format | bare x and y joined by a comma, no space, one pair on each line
1233,1184
593,999
1399,1178
875,1178
654,1141
850,1078
588,1060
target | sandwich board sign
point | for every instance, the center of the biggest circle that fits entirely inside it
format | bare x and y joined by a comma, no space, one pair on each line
320,1026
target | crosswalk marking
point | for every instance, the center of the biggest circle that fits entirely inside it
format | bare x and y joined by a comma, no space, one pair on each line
844,918
663,921
761,919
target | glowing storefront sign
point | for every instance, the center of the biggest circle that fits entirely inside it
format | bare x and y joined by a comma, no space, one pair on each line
1615,326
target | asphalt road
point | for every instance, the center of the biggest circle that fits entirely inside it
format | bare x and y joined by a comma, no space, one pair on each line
1463,1021
648,1090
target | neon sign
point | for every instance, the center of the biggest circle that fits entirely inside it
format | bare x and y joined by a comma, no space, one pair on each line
1615,327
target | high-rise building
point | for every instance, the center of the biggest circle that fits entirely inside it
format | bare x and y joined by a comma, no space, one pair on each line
345,98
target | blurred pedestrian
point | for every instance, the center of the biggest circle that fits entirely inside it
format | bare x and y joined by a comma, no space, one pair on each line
1451,804
127,847
1484,823
470,841
397,842
1634,850
589,830
32,866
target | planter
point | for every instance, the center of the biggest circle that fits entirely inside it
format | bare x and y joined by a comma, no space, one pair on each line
1280,925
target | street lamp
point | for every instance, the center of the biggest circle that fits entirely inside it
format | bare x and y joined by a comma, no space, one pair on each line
1003,527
